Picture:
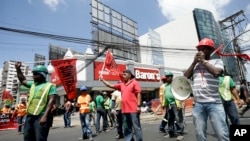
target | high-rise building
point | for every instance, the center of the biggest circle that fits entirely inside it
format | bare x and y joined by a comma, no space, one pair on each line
10,81
207,26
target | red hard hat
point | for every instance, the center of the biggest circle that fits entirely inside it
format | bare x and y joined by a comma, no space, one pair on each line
206,42
163,77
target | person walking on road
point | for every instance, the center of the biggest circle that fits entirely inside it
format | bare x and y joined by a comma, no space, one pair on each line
208,104
107,107
41,98
83,102
116,109
131,105
227,91
174,110
92,107
165,119
20,111
100,112
67,114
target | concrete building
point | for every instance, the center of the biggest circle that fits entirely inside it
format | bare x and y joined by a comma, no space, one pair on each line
10,81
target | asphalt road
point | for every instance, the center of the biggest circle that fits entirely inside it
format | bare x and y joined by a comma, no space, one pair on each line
150,130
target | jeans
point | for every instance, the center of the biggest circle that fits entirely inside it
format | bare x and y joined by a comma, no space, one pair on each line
34,131
108,115
175,115
67,119
231,112
100,112
85,124
92,117
119,123
20,121
164,121
215,112
132,120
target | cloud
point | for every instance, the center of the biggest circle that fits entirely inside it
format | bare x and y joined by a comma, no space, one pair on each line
247,11
53,4
173,9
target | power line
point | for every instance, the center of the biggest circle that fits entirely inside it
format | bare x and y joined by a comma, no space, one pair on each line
92,42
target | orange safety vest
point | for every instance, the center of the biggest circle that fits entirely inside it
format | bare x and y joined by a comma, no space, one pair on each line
20,109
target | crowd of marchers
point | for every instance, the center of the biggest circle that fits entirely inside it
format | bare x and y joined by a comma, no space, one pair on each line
216,98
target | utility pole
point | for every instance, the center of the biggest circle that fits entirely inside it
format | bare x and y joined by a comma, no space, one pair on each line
230,23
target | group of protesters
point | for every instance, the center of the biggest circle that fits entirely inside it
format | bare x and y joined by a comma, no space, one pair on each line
215,98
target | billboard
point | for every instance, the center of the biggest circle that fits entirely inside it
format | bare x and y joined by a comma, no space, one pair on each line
56,52
115,29
39,60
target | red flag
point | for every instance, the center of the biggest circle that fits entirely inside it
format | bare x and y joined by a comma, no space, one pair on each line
66,70
6,95
110,63
245,56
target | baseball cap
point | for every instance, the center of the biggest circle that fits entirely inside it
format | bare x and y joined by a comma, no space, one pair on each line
129,72
83,88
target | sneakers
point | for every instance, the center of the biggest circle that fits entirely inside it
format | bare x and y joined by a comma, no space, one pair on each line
119,137
167,136
91,139
106,130
180,138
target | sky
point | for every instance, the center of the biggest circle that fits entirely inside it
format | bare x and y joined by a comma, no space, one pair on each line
72,18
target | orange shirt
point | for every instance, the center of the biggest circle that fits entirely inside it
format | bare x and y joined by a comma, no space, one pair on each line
20,109
84,101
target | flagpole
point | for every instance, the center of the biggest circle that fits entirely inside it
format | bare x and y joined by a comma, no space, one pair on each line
229,42
103,65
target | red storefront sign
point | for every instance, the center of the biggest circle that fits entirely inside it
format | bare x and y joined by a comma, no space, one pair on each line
6,122
149,75
106,73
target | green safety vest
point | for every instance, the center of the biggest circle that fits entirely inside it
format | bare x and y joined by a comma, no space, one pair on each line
107,103
38,103
225,90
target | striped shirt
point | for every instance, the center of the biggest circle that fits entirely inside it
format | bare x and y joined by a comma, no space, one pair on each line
206,86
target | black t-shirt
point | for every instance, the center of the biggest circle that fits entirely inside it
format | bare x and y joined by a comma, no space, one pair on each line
242,89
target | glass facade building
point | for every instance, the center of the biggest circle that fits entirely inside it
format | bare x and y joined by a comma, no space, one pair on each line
207,27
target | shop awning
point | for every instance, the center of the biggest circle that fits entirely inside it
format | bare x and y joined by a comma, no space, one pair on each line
101,89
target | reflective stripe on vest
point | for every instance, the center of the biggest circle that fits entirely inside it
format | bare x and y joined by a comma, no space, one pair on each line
225,90
36,107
